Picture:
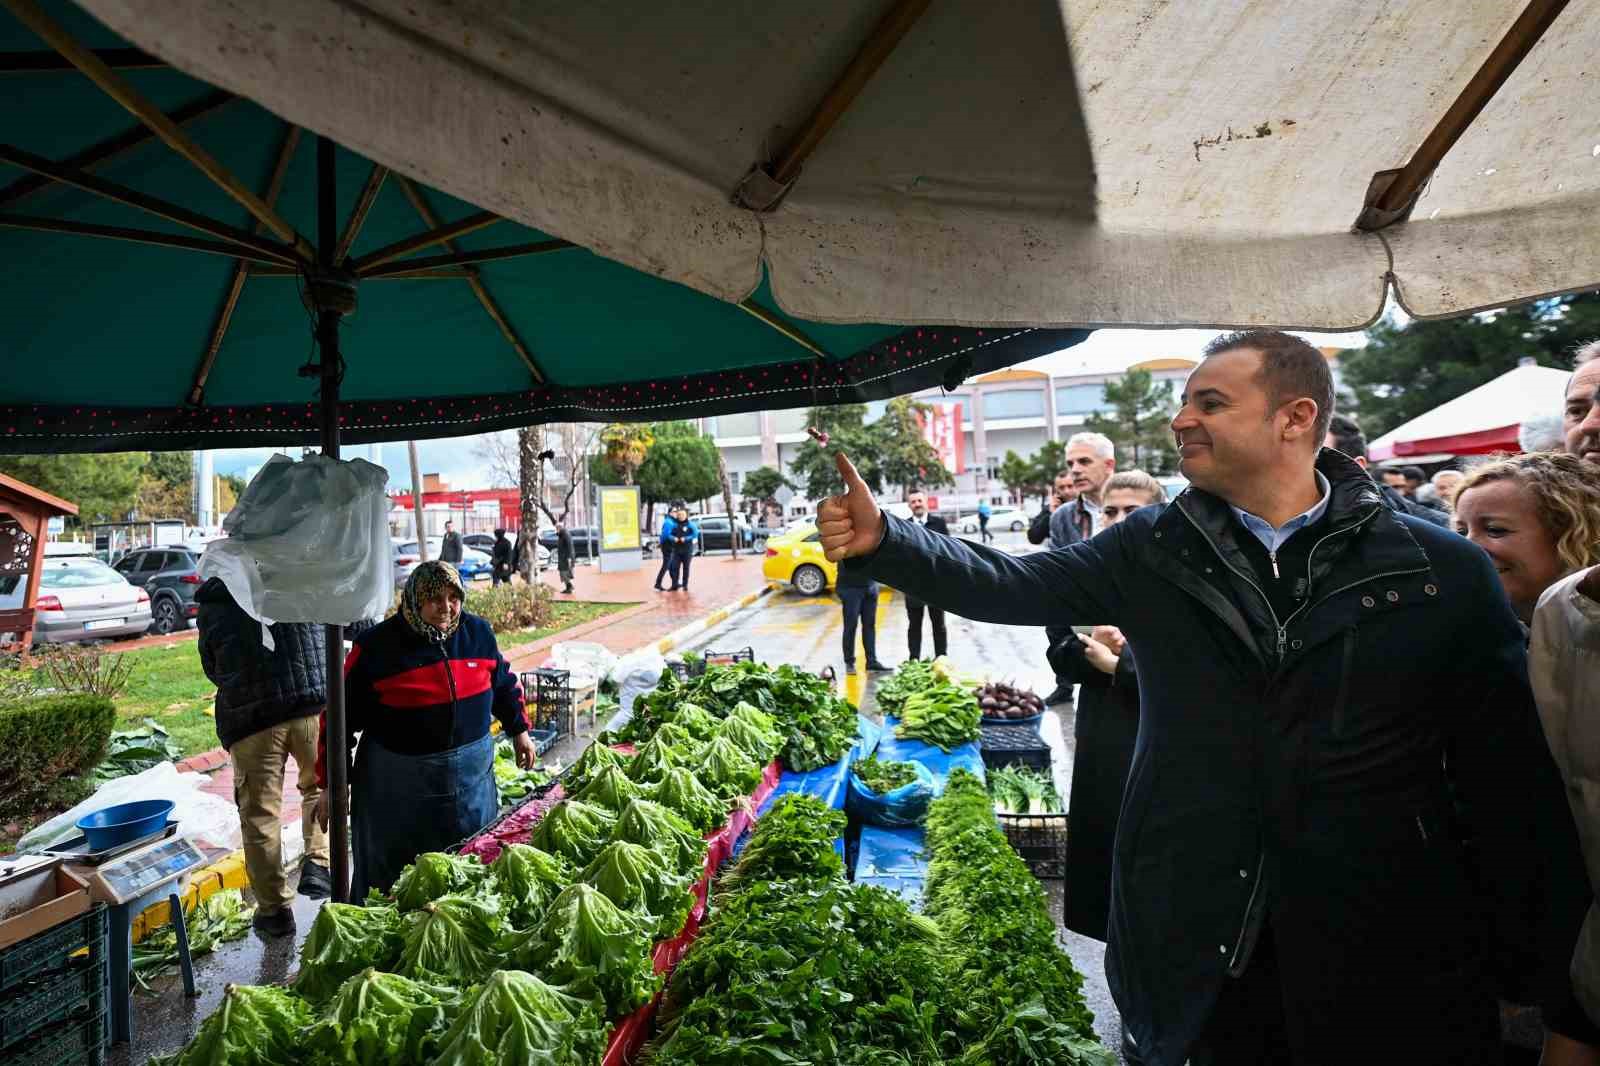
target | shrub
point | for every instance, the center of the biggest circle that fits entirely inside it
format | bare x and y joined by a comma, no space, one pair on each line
508,608
81,668
46,738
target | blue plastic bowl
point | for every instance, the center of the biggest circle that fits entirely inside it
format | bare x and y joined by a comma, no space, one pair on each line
126,821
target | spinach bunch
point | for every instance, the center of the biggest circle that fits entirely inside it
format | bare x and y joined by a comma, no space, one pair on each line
884,777
944,714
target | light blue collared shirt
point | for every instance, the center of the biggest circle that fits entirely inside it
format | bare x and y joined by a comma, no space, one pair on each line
1272,539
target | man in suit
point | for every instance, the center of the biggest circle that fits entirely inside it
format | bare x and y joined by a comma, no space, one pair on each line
1091,460
918,502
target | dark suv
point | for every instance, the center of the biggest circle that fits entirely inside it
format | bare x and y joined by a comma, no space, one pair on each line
171,576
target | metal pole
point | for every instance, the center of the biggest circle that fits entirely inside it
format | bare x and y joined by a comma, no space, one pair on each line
328,317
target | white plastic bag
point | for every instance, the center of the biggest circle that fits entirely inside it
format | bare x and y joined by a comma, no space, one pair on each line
308,542
589,663
637,674
199,814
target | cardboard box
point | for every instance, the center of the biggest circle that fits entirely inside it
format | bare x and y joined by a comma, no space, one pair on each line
37,898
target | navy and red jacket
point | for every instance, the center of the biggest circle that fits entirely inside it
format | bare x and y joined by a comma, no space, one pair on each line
415,697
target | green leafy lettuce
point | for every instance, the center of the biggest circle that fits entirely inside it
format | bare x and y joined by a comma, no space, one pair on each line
434,874
528,880
574,830
753,731
255,1025
649,823
344,940
662,753
641,879
695,720
453,939
945,714
727,769
681,792
516,1019
610,788
379,1018
595,757
587,939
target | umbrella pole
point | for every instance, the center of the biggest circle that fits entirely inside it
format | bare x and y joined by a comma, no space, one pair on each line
330,307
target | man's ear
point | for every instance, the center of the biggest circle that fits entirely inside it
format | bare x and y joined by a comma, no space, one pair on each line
1299,418
1361,461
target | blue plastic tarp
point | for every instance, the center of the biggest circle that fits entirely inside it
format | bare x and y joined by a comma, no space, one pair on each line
893,859
828,783
894,749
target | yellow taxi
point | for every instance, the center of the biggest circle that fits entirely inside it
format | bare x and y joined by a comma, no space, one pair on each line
795,559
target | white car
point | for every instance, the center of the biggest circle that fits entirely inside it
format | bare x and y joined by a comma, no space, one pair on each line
83,599
1011,518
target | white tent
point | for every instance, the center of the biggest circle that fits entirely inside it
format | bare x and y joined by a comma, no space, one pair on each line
1477,422
1031,162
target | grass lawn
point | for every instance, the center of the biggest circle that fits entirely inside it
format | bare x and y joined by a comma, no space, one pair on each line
567,614
168,685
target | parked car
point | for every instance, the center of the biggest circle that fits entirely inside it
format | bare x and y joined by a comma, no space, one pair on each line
483,542
1012,518
716,536
171,576
582,537
84,599
473,565
795,559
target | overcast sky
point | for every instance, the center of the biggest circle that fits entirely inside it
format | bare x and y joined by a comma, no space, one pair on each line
459,462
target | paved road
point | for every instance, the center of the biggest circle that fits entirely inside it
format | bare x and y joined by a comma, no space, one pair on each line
807,631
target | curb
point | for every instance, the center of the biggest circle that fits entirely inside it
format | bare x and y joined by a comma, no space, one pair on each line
204,883
687,633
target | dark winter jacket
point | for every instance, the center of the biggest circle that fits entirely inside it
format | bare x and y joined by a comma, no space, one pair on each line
504,557
452,549
564,550
1104,730
417,698
1060,527
1297,771
1399,501
257,688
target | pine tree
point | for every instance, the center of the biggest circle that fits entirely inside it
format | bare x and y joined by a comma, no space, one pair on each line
1140,424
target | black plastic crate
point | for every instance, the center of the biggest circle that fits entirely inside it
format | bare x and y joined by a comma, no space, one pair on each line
683,671
49,950
726,658
1013,745
543,739
77,988
80,1040
549,692
1041,841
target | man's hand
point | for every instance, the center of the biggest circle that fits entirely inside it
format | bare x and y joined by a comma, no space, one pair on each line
1589,584
851,524
1100,657
321,810
1111,637
523,746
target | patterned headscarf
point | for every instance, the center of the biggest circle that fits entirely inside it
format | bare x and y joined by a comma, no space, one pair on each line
426,582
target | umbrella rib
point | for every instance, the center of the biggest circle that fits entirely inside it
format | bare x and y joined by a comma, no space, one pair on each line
31,15
53,62
107,150
486,255
437,235
453,274
754,309
132,198
241,271
135,236
479,290
358,216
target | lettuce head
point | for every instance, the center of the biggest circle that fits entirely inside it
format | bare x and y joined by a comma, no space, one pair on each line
642,880
681,792
528,879
453,939
516,1019
610,788
649,823
574,830
344,940
434,874
588,940
255,1025
727,769
379,1018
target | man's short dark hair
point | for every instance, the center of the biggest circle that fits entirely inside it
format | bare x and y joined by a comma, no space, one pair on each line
1064,473
1347,436
1290,369
914,490
1413,473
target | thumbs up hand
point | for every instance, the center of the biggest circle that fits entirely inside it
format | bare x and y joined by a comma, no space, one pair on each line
851,524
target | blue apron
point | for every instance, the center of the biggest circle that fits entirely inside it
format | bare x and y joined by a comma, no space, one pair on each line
404,805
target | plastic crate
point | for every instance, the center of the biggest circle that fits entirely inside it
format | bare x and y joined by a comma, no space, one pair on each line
74,1041
683,671
551,692
726,658
1041,841
49,950
1013,745
77,988
543,739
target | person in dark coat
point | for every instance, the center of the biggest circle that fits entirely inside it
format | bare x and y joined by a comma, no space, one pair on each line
685,542
1344,435
565,556
917,500
858,602
1343,834
667,542
504,558
452,550
267,705
421,689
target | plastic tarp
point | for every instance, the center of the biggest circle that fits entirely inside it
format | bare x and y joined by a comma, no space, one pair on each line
1055,162
903,806
200,815
1484,420
893,859
895,749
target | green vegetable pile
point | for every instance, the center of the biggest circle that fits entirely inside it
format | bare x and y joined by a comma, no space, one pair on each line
1022,1001
513,782
254,1026
813,726
221,918
681,792
884,777
946,715
1019,790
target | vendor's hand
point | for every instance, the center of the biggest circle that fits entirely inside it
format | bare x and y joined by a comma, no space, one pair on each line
1589,584
850,524
1100,657
1111,637
321,810
523,746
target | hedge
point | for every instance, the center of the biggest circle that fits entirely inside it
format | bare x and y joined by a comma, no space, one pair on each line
44,738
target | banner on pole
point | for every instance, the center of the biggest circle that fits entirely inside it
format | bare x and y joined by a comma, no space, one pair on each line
941,428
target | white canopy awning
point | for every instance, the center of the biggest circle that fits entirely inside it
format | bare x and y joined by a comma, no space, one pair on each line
1478,422
1023,163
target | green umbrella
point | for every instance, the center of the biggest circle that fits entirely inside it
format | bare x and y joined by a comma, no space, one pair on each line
161,295
186,270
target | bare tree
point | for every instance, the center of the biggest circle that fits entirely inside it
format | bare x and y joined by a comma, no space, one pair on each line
530,485
727,503
502,456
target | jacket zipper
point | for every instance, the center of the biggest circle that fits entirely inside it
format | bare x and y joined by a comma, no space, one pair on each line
450,679
1250,905
1282,627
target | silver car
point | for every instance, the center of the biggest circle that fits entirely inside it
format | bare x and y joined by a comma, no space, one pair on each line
84,599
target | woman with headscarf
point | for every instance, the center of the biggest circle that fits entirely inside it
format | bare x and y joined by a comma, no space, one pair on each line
421,688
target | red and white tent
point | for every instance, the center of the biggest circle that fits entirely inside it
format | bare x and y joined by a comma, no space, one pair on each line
1477,422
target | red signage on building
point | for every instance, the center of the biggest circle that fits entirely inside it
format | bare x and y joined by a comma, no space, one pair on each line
941,427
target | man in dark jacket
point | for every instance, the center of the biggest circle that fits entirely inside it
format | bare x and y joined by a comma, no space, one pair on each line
504,558
452,551
267,705
1344,435
917,500
565,555
1313,865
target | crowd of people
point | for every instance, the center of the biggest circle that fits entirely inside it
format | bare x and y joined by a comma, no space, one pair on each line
1322,811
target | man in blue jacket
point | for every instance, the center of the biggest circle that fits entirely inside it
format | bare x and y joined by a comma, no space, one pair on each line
1343,836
